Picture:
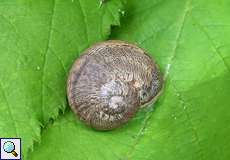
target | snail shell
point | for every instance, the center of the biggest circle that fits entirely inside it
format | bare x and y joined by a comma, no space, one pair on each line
110,82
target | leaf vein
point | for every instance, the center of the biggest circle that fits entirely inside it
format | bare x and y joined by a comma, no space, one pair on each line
9,109
60,61
215,48
84,20
139,134
45,56
195,133
177,38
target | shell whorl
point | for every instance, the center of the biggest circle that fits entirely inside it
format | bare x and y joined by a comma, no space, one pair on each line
105,84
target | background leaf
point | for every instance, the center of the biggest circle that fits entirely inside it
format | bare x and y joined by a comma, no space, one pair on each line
39,41
190,41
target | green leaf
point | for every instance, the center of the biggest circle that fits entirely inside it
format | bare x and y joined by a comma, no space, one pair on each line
190,41
39,41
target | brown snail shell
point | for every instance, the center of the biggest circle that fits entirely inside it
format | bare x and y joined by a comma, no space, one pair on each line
110,82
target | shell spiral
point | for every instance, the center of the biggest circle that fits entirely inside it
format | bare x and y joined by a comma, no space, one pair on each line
110,82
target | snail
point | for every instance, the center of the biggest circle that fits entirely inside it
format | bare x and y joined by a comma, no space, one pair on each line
110,82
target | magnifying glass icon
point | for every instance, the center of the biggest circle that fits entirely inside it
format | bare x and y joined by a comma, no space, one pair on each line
9,147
